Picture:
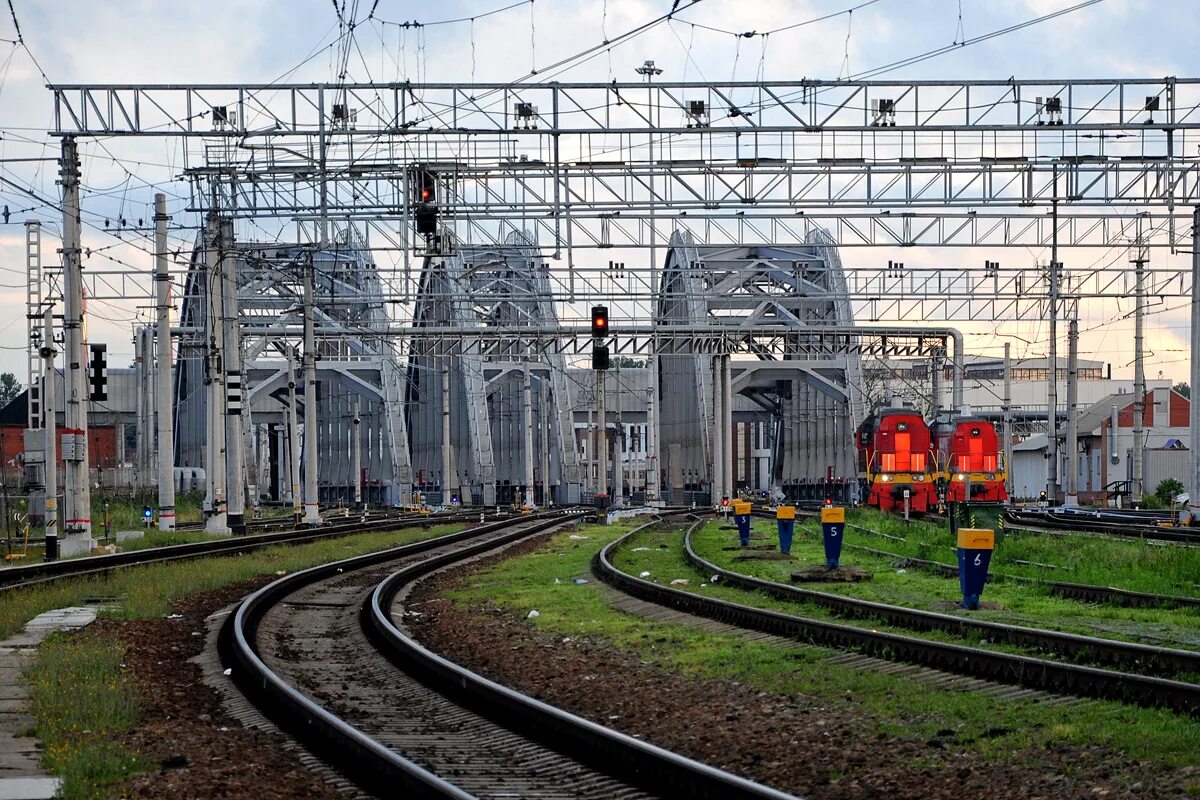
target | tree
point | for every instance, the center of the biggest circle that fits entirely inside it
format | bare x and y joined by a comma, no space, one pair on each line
1183,388
10,387
1167,490
625,362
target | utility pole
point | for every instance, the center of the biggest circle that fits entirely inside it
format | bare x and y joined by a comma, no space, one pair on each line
544,401
49,412
78,499
527,393
601,442
1140,254
1072,498
447,473
215,471
1193,486
312,514
357,449
1052,360
166,424
652,473
718,438
1007,409
293,438
231,363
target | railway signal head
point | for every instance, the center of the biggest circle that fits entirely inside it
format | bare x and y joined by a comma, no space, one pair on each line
600,357
599,321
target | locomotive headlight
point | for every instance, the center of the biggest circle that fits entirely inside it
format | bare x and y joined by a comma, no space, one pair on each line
885,478
991,477
918,477
960,477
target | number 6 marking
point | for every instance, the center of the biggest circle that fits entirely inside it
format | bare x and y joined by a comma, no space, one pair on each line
978,560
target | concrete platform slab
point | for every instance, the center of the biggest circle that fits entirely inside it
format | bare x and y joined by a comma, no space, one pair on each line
21,774
29,788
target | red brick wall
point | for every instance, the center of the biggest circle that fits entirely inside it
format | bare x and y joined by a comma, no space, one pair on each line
102,446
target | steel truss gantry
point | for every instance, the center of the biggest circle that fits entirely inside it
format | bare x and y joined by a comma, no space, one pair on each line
359,373
594,167
814,400
498,390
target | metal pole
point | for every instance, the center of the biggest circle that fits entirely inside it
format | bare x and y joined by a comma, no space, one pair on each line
1052,361
166,424
293,437
1007,409
78,500
527,392
727,425
544,401
718,434
601,443
447,474
231,362
1194,405
1139,369
357,449
49,411
215,467
1072,498
312,515
652,473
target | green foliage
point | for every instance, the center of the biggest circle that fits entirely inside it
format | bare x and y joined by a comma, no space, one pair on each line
81,700
895,706
1183,388
10,387
1152,502
1167,490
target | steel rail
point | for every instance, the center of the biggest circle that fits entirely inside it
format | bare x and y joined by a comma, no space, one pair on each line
1027,671
604,749
369,762
1085,592
1049,522
1149,658
12,578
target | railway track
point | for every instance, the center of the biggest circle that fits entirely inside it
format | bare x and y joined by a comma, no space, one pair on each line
1083,592
1054,522
1141,657
1027,671
325,654
12,578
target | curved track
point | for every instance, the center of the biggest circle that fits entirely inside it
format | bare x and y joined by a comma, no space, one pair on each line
1084,592
1034,673
1140,657
12,578
319,651
1051,521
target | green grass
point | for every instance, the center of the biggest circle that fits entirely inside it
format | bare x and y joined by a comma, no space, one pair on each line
1136,565
1020,603
140,592
82,701
81,698
895,707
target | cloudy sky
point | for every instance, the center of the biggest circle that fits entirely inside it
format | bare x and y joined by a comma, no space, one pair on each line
149,41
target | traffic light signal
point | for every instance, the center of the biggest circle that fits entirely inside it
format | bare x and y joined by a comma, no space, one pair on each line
600,357
599,321
427,187
98,373
425,213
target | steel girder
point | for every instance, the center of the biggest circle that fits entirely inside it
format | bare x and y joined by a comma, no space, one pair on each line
504,288
816,401
355,363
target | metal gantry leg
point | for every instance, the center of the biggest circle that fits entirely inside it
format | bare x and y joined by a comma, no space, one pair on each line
77,499
312,508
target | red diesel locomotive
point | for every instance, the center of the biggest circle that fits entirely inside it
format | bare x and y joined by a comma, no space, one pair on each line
972,456
895,458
